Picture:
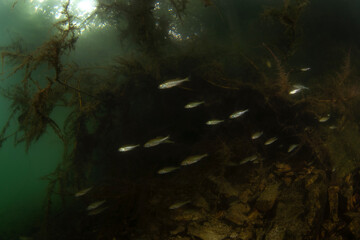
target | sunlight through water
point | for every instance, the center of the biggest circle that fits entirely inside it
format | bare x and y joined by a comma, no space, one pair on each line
81,9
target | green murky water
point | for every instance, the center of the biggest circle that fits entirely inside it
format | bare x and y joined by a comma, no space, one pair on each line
79,90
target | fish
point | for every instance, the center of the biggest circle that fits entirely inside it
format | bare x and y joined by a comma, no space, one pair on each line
193,159
248,159
95,205
297,88
305,69
256,135
324,119
172,83
238,114
270,140
156,141
292,147
82,192
96,211
294,91
127,148
178,204
332,127
167,170
193,104
214,122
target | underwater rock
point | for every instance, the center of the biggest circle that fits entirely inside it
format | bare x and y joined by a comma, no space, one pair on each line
179,229
267,198
289,212
212,230
243,234
179,238
237,213
246,194
255,218
354,227
189,215
276,233
201,202
224,187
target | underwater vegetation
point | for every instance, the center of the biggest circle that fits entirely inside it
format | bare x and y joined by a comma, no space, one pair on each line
191,139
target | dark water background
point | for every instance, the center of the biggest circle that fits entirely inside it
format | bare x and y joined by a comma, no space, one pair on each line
329,28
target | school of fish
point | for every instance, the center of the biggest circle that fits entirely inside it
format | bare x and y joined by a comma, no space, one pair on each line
94,208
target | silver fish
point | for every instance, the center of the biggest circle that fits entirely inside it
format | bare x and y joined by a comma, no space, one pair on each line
294,91
193,104
172,83
248,159
193,159
95,205
238,114
214,122
270,140
324,119
292,147
167,170
156,141
82,192
127,148
178,204
332,127
305,69
297,88
96,211
256,135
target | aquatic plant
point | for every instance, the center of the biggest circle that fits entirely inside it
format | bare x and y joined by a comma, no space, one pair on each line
125,105
288,16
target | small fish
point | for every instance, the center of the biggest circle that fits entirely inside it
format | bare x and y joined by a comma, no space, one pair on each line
297,88
214,122
178,204
193,159
193,104
324,119
127,148
256,135
156,141
248,159
167,170
292,147
294,91
82,192
332,127
305,69
238,114
270,140
95,205
172,83
96,211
